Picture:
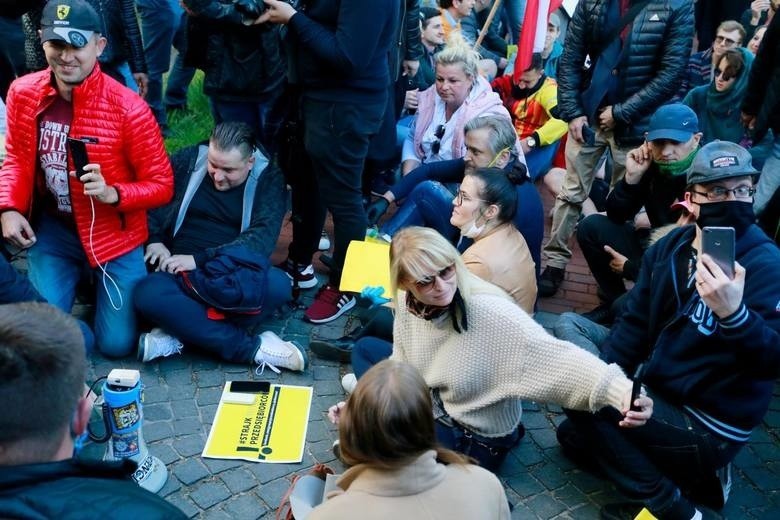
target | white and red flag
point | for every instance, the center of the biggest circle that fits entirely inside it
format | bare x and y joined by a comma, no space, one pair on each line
537,12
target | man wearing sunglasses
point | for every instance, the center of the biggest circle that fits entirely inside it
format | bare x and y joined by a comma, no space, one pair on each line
703,344
730,35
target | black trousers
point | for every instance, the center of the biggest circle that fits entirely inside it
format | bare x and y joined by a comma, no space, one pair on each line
596,231
336,138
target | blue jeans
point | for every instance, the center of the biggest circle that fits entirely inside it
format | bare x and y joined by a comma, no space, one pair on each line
579,330
56,263
160,19
367,352
514,11
769,180
161,300
265,118
124,70
181,75
650,463
539,160
489,452
429,204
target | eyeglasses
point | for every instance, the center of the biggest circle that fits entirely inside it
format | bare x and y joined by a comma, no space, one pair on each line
728,42
719,193
462,195
726,77
427,283
438,134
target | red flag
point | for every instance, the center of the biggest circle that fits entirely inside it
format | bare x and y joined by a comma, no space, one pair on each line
532,35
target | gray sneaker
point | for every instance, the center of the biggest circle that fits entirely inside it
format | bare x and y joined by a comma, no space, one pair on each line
157,343
275,353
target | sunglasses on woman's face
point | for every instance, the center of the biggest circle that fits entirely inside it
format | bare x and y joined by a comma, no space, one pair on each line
427,283
723,74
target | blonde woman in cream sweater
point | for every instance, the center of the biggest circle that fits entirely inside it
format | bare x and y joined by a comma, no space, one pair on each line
480,354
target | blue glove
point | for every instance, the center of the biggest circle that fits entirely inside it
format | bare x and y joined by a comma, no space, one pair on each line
374,295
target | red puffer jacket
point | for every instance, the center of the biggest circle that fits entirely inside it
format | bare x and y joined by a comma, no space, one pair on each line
124,140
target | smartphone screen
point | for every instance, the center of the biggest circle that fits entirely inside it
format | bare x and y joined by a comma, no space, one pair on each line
718,242
250,387
78,152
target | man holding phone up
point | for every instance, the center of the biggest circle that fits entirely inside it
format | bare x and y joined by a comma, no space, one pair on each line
707,348
94,218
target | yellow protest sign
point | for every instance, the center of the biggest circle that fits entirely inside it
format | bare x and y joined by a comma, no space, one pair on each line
270,427
367,265
644,514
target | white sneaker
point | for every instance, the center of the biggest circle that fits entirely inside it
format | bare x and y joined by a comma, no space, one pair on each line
157,343
348,383
275,353
324,241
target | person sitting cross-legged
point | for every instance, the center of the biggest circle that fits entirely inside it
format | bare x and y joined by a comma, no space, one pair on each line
227,195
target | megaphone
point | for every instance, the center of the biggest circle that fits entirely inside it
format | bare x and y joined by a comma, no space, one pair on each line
123,418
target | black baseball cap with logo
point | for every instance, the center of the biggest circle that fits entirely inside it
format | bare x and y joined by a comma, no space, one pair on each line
71,21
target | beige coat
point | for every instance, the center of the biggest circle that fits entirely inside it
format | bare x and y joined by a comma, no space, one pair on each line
424,490
502,258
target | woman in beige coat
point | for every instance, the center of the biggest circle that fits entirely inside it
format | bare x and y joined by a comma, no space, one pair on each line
387,436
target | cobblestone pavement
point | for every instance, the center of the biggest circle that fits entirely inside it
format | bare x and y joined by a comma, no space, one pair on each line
181,398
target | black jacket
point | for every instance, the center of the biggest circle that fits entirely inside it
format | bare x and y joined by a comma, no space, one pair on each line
240,62
267,210
762,98
656,192
650,72
73,489
120,29
722,370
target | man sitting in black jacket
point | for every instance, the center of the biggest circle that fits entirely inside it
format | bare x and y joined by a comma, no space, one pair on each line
226,195
42,371
655,178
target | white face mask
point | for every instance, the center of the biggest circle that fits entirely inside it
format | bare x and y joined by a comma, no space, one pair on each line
471,229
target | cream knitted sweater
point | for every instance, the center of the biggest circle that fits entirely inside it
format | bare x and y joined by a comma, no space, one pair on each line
503,357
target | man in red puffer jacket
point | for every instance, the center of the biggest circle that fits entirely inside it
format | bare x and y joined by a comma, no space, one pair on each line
96,218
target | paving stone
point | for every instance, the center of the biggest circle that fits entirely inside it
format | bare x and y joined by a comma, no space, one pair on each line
317,431
207,414
528,453
216,513
184,408
178,377
585,482
217,466
544,438
570,496
763,477
272,492
157,394
267,472
171,486
522,512
298,379
207,379
545,506
327,388
188,426
189,445
182,392
208,396
190,471
209,493
186,505
155,431
550,476
164,452
238,480
245,507
535,421
157,412
525,485
323,373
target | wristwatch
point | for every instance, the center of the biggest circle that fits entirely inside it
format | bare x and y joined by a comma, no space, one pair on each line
530,141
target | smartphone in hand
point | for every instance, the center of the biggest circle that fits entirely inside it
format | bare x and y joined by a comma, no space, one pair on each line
718,242
78,151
